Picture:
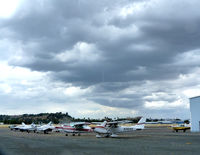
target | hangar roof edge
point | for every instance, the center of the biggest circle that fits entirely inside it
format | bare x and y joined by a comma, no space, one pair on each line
194,97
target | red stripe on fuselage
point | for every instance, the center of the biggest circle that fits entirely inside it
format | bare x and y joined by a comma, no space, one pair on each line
74,129
99,127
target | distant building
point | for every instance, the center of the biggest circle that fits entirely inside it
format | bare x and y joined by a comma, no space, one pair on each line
1,123
178,122
195,113
165,122
151,122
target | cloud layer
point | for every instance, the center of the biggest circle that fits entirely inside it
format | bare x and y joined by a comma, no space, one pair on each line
138,55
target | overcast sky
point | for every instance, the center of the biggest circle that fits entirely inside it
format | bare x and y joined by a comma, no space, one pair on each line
90,58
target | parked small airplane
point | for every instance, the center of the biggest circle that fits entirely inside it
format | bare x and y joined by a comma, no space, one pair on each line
75,128
17,127
110,129
28,128
23,127
45,128
183,127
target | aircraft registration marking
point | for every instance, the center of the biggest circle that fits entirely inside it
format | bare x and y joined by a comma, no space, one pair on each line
128,129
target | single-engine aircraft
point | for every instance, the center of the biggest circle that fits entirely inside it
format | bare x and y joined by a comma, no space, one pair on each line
23,127
17,127
45,128
75,128
183,127
28,128
110,129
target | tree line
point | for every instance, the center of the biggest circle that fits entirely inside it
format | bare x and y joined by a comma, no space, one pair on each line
60,117
36,118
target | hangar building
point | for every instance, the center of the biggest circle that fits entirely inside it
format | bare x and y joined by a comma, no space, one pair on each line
195,113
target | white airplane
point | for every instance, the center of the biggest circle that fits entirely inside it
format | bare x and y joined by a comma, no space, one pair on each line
17,127
24,127
28,128
45,128
75,128
110,129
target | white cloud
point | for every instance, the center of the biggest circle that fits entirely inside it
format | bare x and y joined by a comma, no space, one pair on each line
134,8
22,82
12,73
8,7
81,53
95,110
165,104
189,58
76,91
192,92
5,88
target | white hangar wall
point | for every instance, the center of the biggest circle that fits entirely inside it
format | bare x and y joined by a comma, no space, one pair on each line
195,113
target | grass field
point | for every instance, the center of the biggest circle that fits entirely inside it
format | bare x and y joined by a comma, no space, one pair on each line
4,126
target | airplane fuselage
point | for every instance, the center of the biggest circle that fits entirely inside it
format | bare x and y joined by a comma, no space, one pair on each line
118,129
112,128
72,129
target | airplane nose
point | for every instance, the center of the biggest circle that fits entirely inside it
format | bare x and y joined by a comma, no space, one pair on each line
95,130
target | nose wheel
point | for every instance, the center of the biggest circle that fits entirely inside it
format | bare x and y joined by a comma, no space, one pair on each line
98,136
113,135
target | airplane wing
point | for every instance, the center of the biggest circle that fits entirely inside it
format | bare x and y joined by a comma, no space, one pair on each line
80,125
125,122
115,122
112,124
44,128
97,123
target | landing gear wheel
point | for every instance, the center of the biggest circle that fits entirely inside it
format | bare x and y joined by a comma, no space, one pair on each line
66,134
98,136
73,134
113,135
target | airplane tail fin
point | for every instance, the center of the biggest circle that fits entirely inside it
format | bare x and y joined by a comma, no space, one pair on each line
23,123
141,124
104,123
141,121
50,123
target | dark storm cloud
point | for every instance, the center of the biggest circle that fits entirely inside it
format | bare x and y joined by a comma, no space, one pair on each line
120,103
136,47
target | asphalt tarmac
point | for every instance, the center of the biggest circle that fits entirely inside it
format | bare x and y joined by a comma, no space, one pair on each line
149,141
